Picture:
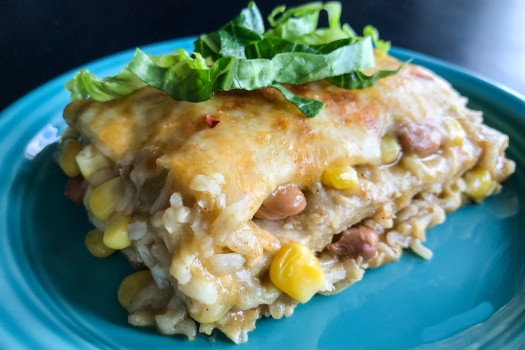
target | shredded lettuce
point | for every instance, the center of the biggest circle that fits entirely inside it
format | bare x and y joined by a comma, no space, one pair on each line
85,84
228,73
299,24
359,80
372,32
310,108
242,55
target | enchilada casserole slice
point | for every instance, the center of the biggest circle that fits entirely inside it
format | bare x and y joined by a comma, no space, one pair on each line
239,207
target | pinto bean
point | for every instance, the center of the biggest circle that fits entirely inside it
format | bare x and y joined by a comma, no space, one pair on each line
74,190
356,241
421,139
286,200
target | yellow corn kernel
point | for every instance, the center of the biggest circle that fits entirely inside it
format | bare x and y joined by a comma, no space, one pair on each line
456,133
131,286
87,197
340,177
390,149
478,183
67,157
116,234
95,244
90,160
104,198
296,271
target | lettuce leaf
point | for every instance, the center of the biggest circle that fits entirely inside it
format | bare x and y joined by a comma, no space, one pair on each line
243,30
359,80
85,84
299,24
310,108
372,32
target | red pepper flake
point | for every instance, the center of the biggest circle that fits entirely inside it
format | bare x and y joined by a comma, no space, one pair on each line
423,76
211,122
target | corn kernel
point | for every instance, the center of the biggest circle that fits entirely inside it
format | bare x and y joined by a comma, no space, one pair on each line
116,234
103,199
131,286
87,197
90,160
67,157
296,271
390,149
95,244
478,183
456,133
340,177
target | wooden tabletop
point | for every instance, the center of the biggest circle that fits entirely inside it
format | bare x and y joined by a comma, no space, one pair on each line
40,40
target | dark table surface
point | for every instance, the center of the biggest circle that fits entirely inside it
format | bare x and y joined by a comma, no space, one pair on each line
41,39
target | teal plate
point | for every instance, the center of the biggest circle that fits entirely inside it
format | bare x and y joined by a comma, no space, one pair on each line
54,294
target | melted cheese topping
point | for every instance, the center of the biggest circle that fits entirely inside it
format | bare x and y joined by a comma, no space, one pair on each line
262,141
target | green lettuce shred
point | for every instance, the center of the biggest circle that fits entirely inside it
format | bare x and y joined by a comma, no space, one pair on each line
85,84
242,55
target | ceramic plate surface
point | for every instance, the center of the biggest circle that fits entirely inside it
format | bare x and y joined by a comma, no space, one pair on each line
54,294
